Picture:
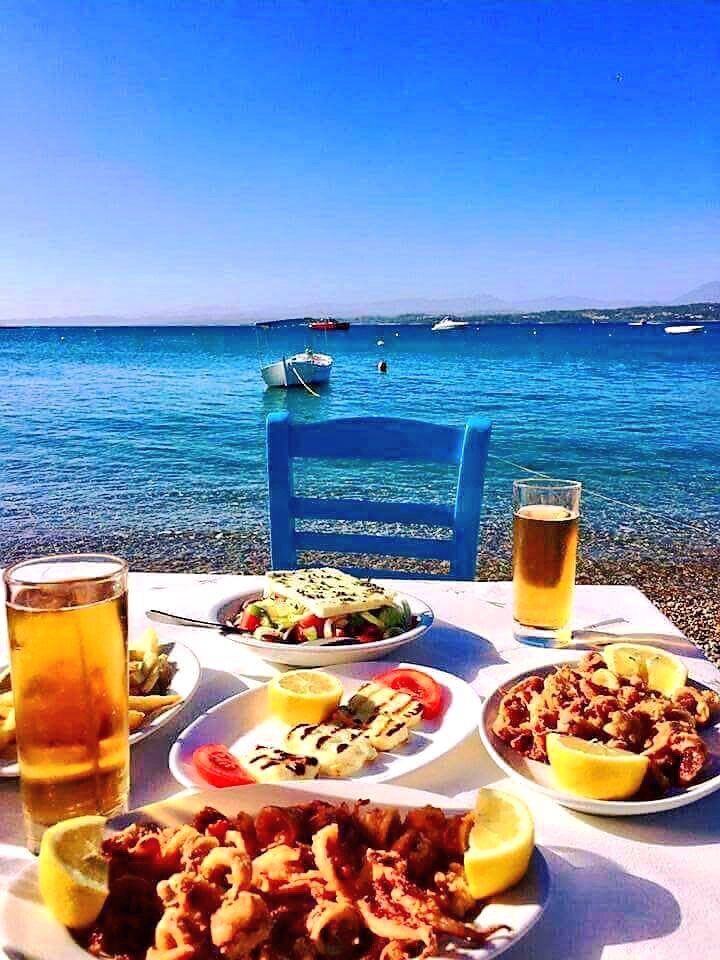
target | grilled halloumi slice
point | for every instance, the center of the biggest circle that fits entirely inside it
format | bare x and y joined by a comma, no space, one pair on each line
340,751
326,592
372,698
271,765
383,731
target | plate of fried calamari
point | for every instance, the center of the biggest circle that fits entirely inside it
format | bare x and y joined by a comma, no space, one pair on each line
270,872
606,742
161,680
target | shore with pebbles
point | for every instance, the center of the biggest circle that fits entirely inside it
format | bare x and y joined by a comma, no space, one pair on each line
679,574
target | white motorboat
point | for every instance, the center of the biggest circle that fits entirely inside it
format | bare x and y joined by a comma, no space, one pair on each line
302,369
637,323
685,328
448,323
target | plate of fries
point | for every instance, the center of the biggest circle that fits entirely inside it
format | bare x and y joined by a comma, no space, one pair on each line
162,678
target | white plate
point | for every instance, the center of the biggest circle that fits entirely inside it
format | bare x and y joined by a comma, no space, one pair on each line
538,776
185,681
27,928
317,655
243,721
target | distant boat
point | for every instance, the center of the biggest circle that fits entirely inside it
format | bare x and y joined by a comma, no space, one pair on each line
637,323
329,323
448,323
307,368
686,328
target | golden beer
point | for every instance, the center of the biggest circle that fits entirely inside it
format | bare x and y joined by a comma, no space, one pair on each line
545,547
68,662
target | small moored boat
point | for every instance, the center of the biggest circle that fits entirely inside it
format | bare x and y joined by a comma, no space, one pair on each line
302,369
306,368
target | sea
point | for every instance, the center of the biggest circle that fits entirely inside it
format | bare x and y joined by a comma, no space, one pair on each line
150,440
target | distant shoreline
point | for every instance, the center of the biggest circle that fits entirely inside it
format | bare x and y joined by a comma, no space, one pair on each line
653,315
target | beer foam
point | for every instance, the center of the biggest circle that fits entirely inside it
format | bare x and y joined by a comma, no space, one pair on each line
544,511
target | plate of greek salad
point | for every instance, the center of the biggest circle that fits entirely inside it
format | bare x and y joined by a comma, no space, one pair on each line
319,616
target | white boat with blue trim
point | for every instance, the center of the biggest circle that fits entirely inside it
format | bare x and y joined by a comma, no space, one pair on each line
302,369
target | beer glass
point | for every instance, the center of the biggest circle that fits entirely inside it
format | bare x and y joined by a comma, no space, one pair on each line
67,627
545,535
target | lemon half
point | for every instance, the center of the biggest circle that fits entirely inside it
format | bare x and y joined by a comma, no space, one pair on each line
73,873
500,845
304,696
662,671
595,770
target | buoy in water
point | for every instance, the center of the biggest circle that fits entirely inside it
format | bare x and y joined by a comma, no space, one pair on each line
382,366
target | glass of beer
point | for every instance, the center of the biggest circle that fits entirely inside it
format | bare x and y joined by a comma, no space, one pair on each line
67,627
545,535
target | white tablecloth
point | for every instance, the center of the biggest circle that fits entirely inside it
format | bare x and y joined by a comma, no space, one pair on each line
630,888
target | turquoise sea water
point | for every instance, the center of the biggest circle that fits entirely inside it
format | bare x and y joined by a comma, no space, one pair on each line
141,433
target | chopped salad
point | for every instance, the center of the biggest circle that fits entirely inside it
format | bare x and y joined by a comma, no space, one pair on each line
280,620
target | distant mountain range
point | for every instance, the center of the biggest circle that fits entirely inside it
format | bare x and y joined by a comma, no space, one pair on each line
707,293
479,304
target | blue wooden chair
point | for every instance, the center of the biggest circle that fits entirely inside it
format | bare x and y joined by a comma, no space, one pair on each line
401,440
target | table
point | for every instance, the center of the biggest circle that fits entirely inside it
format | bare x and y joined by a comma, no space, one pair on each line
633,888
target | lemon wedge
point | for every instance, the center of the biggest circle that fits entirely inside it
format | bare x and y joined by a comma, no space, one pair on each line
304,696
662,671
72,871
593,769
500,845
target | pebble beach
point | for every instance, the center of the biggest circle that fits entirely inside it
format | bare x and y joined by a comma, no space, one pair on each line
680,580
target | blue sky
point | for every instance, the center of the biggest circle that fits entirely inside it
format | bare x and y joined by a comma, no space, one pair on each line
170,156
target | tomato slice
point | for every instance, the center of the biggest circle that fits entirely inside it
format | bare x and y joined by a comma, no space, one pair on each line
310,620
248,621
219,767
419,685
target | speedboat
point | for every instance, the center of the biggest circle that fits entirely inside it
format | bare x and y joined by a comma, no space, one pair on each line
302,369
448,323
686,328
637,323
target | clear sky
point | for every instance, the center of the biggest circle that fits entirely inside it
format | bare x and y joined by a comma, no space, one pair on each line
168,156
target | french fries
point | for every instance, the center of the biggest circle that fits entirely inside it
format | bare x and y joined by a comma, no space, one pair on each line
136,719
151,704
7,729
149,670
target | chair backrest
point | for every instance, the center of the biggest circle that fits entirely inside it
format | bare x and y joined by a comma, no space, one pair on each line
399,440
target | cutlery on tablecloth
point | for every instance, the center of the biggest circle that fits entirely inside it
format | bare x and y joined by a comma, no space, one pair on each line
592,639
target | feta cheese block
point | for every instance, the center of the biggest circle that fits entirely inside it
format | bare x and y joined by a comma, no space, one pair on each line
271,765
326,592
340,751
372,698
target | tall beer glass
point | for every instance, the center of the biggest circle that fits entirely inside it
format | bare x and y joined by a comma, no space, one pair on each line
67,626
545,535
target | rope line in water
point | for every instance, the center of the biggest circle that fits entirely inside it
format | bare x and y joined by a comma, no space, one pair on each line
653,514
309,389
